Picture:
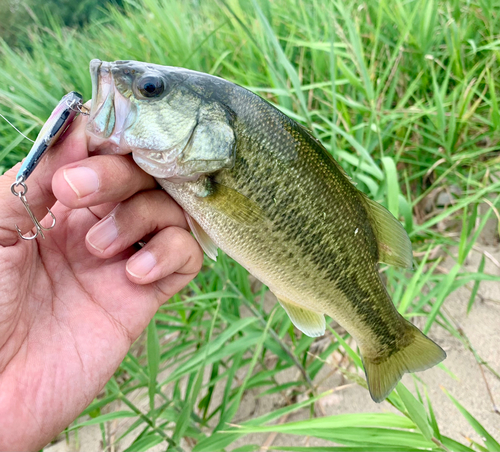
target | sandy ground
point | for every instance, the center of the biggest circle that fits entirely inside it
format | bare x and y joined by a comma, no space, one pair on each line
477,389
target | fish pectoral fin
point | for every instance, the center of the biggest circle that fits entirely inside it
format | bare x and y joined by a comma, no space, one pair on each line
394,246
202,237
233,204
311,323
382,375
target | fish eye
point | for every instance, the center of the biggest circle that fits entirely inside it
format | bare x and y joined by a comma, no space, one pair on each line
150,86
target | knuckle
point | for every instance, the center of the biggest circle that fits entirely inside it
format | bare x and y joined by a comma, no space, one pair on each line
129,170
179,238
181,241
156,198
196,260
116,174
121,167
150,202
159,209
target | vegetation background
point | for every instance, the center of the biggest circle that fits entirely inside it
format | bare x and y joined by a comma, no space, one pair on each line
404,94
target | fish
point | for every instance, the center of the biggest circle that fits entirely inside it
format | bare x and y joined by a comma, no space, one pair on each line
259,186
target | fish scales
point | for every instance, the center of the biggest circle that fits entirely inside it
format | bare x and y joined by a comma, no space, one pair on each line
278,204
308,248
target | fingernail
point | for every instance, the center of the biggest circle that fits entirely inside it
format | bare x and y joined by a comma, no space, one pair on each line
141,264
82,180
103,234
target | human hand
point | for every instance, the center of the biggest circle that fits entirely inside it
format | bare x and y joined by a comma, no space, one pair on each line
71,305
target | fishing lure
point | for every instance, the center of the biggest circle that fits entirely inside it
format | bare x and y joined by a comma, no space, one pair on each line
62,116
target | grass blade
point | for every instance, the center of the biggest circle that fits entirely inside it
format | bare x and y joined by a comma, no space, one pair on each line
145,443
475,288
491,443
416,411
153,353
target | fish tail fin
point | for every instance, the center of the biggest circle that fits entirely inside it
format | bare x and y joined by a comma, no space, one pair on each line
420,354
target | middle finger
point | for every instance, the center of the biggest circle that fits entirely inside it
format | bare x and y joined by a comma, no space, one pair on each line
141,215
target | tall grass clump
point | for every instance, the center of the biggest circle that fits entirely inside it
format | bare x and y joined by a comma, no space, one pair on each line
403,94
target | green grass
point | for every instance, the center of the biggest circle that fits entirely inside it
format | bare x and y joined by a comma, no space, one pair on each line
403,94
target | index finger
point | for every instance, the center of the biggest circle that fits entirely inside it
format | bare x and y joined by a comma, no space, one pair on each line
98,180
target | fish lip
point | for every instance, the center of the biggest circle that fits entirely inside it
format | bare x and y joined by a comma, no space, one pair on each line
95,65
100,72
104,91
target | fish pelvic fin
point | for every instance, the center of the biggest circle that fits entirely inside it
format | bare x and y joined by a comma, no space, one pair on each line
420,354
311,323
394,245
202,237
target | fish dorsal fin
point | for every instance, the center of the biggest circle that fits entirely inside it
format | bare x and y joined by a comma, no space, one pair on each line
394,245
202,237
311,323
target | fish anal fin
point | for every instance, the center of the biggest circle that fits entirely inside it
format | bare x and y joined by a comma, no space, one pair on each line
202,237
311,323
394,245
383,375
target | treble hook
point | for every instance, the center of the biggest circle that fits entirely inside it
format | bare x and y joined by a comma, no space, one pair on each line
21,194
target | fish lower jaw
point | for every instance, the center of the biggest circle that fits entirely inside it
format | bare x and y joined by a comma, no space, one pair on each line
166,169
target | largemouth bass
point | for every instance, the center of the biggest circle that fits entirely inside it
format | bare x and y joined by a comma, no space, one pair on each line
259,186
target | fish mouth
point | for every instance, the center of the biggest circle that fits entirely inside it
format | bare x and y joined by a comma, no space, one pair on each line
110,113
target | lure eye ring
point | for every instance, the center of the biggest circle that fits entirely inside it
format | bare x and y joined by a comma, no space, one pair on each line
150,86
